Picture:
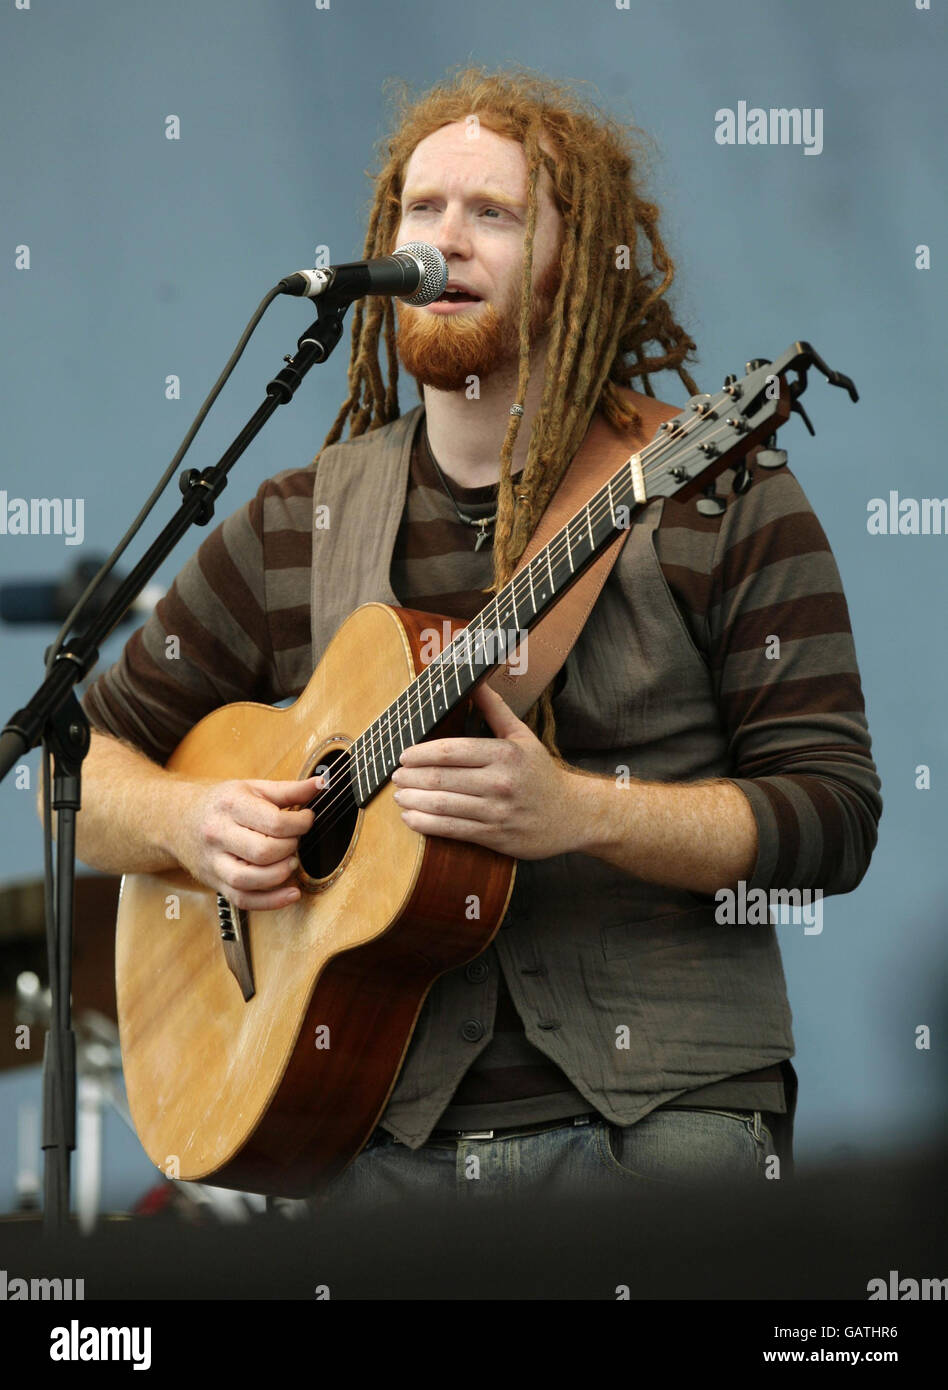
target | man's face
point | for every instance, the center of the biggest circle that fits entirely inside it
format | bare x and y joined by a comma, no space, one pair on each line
467,196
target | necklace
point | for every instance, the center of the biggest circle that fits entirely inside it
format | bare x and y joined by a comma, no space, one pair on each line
482,522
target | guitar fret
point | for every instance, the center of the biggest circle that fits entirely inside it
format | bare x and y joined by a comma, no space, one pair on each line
375,770
431,699
439,686
362,777
366,753
370,751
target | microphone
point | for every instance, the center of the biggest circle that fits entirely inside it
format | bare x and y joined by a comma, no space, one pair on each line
416,273
36,601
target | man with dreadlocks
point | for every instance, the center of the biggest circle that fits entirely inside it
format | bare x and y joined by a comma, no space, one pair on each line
614,1031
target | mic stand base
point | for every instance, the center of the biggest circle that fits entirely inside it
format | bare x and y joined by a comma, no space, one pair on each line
68,737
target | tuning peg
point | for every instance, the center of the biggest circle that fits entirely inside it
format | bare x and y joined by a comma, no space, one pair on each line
756,363
771,457
742,478
730,379
710,504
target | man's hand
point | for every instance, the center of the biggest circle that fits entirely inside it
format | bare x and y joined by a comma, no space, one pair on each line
240,838
507,793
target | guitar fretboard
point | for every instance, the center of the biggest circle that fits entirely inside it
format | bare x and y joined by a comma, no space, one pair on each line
493,635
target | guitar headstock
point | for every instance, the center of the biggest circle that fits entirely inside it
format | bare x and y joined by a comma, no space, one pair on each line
717,431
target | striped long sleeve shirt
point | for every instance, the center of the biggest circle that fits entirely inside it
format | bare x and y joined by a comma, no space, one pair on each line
800,749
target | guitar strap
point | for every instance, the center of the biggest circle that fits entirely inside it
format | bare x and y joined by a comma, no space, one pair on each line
599,457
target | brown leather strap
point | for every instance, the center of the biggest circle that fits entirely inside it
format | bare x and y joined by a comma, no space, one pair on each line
601,455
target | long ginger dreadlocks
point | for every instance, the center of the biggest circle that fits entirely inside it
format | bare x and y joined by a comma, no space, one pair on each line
604,316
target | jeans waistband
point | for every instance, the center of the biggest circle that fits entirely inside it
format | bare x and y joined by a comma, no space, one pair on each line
509,1131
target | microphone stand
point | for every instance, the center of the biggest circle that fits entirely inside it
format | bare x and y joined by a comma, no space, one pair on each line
55,717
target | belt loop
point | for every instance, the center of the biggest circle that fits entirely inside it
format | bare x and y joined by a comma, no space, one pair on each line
757,1129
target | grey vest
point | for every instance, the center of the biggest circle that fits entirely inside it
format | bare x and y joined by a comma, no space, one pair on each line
631,988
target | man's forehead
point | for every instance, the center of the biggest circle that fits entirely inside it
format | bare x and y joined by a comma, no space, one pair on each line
460,153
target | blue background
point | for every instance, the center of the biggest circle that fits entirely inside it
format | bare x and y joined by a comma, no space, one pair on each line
148,256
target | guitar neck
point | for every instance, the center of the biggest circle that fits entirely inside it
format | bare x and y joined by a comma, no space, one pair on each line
494,634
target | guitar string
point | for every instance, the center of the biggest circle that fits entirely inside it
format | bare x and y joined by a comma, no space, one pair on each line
323,806
376,744
320,804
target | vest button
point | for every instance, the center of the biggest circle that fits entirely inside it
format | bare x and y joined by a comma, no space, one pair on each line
477,970
548,1024
472,1030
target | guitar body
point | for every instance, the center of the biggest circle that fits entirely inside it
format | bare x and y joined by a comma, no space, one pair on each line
278,1092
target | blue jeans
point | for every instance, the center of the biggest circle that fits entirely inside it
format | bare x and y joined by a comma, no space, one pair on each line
666,1151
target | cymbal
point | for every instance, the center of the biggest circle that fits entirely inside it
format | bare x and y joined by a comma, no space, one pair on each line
23,947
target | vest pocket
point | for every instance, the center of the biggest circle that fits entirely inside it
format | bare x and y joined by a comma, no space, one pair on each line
712,998
662,933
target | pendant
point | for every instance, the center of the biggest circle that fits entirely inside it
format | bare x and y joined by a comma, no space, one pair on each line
482,534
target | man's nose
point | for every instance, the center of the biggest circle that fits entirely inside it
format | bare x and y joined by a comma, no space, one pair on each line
452,234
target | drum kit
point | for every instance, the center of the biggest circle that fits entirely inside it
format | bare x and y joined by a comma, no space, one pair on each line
24,1016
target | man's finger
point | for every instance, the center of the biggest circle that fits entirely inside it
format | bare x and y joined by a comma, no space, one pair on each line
255,847
256,878
456,752
267,902
497,712
257,813
287,793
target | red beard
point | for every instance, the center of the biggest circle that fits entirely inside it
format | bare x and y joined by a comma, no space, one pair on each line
444,351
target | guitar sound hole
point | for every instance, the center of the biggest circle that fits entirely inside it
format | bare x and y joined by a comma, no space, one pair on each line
323,848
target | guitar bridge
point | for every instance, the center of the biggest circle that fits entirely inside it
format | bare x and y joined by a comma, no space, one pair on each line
236,943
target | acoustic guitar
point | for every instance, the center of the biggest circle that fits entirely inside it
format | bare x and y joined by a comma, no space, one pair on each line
260,1048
